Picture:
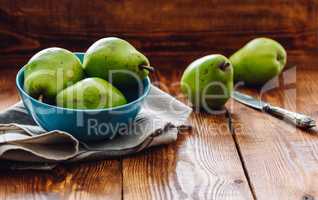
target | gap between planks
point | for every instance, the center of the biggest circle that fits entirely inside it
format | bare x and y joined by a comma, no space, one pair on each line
237,146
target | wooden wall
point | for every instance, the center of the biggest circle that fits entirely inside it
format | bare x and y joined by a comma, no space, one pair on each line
170,33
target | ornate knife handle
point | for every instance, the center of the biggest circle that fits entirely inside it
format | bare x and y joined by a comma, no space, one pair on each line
300,120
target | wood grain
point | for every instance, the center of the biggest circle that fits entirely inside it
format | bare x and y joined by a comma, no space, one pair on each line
95,180
281,160
170,33
8,92
203,164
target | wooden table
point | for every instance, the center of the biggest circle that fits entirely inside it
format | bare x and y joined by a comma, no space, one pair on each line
265,158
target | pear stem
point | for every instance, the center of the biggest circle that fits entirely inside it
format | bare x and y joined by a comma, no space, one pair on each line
40,98
224,65
146,67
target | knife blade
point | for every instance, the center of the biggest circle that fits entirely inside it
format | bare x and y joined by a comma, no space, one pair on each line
300,120
248,100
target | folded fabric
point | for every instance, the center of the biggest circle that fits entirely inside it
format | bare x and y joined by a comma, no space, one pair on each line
25,145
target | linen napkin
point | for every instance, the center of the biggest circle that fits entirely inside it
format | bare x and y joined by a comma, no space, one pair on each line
25,145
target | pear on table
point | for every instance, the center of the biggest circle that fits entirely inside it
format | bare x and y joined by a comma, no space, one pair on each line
50,71
90,93
258,61
116,61
208,82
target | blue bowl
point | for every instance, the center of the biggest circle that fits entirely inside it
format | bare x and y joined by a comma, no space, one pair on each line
86,125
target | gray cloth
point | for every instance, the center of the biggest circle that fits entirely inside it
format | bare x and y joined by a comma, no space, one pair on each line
24,145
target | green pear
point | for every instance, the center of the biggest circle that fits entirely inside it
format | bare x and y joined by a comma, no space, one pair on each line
208,82
115,60
258,61
90,93
50,71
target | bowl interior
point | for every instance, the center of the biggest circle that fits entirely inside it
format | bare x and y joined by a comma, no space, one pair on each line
133,93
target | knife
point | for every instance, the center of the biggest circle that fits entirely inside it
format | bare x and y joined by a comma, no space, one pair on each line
300,120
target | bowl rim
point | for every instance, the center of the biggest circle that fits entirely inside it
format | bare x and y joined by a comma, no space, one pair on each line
146,92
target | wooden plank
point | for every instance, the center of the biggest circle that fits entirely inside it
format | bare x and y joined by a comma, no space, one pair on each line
94,180
282,161
168,31
203,164
8,92
85,18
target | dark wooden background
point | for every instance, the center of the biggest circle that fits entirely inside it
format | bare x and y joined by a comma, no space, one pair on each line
170,33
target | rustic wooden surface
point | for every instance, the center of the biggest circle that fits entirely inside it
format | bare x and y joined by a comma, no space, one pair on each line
280,159
96,180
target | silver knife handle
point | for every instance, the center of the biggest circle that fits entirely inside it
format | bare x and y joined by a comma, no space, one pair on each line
300,120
